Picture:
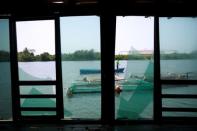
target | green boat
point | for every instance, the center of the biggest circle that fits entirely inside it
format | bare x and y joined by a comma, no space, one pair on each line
95,86
129,84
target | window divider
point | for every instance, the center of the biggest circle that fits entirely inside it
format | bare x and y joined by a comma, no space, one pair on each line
179,96
179,82
59,85
179,109
108,25
50,82
14,71
38,96
157,79
38,109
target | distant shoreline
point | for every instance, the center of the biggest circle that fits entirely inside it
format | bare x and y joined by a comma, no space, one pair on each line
90,55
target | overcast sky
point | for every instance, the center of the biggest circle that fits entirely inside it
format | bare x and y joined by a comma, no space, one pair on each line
37,35
134,32
80,33
178,34
83,32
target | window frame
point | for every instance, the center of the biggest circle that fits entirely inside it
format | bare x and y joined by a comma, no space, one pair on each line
107,23
17,83
162,82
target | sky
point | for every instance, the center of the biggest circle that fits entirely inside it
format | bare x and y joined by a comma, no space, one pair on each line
134,32
83,33
37,35
178,34
80,33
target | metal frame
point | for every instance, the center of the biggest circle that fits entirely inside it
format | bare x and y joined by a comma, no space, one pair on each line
14,71
157,86
179,82
178,119
108,23
59,86
17,83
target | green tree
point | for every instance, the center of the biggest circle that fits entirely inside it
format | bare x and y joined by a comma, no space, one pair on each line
81,55
26,55
4,55
45,56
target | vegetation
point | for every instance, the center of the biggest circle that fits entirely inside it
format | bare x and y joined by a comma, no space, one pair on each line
4,56
80,55
28,56
83,55
133,57
174,56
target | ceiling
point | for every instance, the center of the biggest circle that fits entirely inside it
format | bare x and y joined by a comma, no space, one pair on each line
96,7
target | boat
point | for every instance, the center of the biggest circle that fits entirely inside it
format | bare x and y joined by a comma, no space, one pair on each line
95,86
176,76
97,71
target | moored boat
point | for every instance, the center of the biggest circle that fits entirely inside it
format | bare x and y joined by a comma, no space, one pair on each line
97,71
95,86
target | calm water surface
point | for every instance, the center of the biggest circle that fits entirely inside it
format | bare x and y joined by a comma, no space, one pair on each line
89,105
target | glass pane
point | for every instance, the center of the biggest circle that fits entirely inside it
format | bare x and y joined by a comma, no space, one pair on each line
80,45
179,114
36,50
179,89
134,68
5,74
37,90
178,48
37,113
179,103
38,102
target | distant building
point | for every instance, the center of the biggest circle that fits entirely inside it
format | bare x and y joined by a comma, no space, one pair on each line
146,52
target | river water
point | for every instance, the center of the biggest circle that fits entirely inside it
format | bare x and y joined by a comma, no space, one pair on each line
88,105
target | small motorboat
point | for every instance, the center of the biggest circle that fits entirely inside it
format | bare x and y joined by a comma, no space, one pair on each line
97,71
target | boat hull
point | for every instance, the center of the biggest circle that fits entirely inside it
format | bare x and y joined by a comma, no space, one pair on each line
97,71
95,87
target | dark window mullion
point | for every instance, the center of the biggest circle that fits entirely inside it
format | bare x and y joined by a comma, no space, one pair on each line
14,71
108,25
178,109
179,96
179,82
157,82
59,86
29,83
38,96
39,118
38,109
183,119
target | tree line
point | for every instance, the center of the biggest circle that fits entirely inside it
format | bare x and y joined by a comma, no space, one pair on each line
174,56
27,56
83,55
4,56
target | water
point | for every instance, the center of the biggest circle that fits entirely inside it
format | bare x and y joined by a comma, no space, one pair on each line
89,105
180,66
5,91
